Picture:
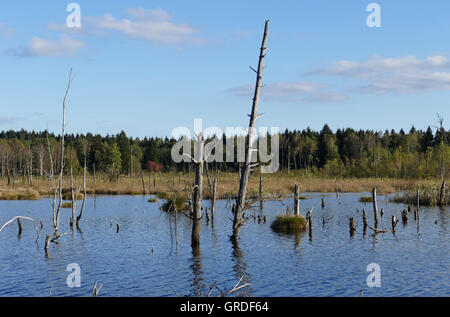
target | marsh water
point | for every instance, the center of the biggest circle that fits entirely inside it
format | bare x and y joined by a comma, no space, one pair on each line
151,254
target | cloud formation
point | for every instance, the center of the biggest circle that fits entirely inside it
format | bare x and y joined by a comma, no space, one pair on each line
403,75
155,26
6,31
291,91
10,120
65,47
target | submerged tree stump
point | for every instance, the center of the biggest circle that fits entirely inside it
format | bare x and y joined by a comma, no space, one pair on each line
375,206
404,216
47,244
352,227
365,221
19,223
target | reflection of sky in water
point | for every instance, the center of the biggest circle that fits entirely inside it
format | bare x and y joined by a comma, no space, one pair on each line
413,262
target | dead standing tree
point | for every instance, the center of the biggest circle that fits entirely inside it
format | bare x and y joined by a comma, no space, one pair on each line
198,192
61,173
239,211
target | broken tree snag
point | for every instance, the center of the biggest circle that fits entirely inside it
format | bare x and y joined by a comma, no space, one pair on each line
245,173
47,244
404,216
296,201
394,223
323,202
375,206
96,290
352,227
366,223
198,192
117,228
310,222
19,223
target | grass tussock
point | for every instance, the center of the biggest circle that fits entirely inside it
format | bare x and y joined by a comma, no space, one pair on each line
180,204
366,199
67,195
66,205
153,200
289,224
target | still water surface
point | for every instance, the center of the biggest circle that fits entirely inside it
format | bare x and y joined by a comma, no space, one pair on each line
144,259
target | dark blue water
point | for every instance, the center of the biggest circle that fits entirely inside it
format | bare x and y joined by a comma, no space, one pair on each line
143,259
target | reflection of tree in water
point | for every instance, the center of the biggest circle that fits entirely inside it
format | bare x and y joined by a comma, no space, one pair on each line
197,284
240,268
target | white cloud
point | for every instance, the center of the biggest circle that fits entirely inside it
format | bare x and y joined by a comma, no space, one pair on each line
152,25
291,91
10,120
66,47
6,31
63,28
407,74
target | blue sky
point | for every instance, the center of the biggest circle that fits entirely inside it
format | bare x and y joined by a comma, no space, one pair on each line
146,67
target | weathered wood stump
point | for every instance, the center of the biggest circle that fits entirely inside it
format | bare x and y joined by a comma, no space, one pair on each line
296,200
405,216
352,227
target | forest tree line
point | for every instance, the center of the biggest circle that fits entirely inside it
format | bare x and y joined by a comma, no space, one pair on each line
344,153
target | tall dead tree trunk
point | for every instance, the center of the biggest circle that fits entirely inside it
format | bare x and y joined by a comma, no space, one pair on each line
245,173
198,192
61,173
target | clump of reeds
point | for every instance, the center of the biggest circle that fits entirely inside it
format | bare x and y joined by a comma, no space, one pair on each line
366,199
153,200
289,224
179,203
429,195
68,196
66,205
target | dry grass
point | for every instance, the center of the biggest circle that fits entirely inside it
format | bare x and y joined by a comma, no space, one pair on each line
274,185
429,195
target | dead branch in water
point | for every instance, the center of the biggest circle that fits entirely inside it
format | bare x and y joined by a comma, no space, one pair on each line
234,289
96,290
17,218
